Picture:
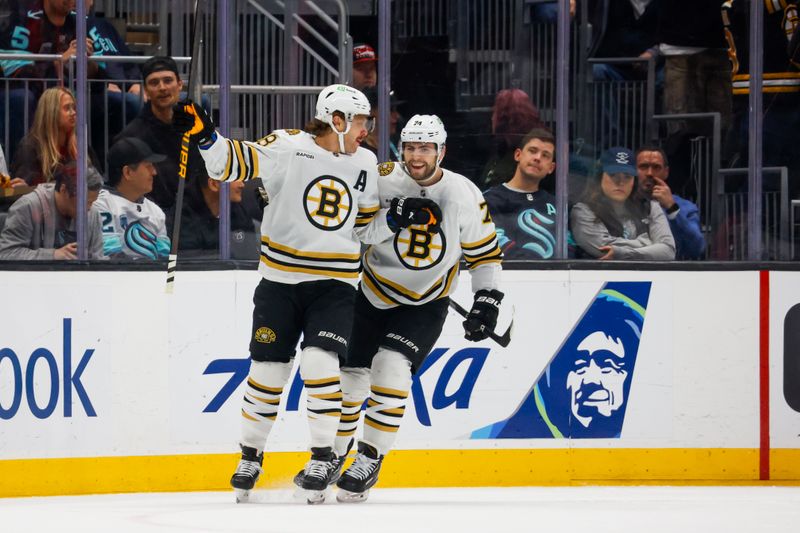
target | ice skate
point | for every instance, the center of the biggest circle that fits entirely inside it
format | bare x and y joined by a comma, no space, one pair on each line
362,475
338,461
247,473
320,472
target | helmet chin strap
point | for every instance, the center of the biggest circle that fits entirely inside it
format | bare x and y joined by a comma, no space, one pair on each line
340,134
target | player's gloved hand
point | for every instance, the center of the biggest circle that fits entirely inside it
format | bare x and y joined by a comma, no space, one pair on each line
482,317
188,117
405,212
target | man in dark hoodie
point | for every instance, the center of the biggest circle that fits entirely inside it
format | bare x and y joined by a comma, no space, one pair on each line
163,85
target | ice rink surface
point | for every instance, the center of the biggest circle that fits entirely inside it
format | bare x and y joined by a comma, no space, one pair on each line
486,510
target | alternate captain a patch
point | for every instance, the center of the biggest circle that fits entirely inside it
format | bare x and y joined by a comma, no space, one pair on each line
328,202
384,169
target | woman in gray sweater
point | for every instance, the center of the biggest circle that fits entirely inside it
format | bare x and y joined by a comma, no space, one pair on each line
614,222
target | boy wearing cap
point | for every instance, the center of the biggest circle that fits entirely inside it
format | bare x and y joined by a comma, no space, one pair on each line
133,226
365,67
615,221
41,224
162,86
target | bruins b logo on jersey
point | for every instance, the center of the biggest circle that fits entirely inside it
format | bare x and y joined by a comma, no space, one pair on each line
417,249
328,203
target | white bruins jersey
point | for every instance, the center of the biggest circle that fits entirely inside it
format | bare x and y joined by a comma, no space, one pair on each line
136,229
416,267
320,203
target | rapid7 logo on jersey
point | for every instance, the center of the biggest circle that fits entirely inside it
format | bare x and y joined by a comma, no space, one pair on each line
445,393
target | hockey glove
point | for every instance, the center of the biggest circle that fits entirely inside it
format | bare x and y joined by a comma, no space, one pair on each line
405,212
482,317
188,117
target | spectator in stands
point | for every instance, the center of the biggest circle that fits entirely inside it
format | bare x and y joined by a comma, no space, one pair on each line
548,11
781,86
696,67
365,67
46,27
623,28
513,116
371,142
683,215
133,226
200,223
6,181
523,214
114,102
51,141
614,221
162,87
41,224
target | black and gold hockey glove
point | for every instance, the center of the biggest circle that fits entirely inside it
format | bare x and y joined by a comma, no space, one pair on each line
188,117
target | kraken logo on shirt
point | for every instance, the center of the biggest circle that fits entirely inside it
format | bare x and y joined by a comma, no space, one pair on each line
328,203
417,249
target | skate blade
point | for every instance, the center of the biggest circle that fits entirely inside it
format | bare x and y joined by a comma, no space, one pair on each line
311,497
242,495
345,496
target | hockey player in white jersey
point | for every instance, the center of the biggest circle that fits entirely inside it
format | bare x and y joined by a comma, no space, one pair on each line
403,298
134,227
323,200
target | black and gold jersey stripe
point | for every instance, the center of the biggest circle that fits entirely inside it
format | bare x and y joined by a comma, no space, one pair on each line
366,215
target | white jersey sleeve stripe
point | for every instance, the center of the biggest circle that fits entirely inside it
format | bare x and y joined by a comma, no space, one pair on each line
228,162
254,160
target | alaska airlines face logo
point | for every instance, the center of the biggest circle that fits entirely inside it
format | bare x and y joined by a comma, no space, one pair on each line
328,203
417,249
583,392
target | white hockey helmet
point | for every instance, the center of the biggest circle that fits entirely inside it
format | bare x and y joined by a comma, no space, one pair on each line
425,129
346,100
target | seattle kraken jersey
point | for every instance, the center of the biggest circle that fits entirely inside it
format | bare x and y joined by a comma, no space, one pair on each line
526,222
321,203
416,267
136,229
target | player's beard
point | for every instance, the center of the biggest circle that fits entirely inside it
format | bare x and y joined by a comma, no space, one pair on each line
421,174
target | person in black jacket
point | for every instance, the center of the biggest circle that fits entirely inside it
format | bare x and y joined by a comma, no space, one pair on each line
200,222
697,72
623,28
163,85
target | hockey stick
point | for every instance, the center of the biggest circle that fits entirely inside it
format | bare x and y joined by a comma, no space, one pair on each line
183,165
503,339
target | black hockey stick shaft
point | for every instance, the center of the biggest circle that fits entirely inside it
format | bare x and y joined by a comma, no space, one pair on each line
503,340
183,164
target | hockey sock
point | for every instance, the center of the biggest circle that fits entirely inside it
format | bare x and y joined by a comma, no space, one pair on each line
262,397
355,389
320,371
390,383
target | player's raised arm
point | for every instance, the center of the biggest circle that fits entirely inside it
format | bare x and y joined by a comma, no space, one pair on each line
226,159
